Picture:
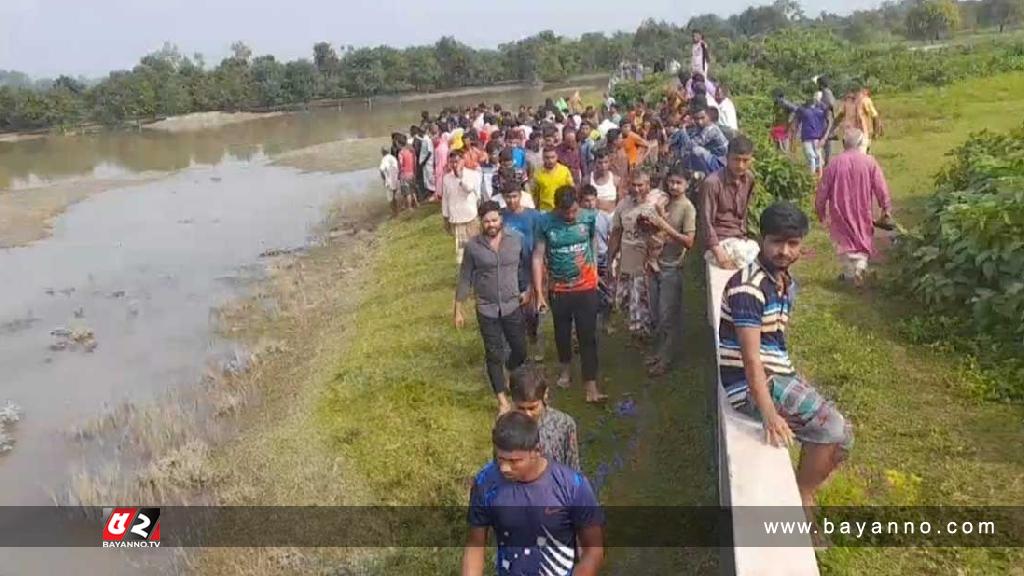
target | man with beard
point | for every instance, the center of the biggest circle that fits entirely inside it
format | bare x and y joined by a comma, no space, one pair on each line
490,267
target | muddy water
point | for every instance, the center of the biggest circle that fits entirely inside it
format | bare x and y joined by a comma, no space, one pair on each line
31,162
135,273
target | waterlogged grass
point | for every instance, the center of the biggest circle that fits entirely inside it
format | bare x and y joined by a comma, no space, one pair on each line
923,435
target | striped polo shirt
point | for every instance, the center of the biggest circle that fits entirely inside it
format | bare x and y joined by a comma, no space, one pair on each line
751,300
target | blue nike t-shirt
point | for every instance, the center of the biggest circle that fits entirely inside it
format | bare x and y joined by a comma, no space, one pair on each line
535,523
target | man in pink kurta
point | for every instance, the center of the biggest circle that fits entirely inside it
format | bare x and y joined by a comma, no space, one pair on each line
440,160
843,203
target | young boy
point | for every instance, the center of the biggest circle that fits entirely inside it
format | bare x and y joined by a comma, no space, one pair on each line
529,394
389,175
603,226
677,228
407,172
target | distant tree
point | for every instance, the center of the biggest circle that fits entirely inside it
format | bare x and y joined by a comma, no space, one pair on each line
300,80
659,42
713,26
1002,13
424,70
362,72
240,51
68,83
15,79
267,77
932,19
455,59
325,58
760,20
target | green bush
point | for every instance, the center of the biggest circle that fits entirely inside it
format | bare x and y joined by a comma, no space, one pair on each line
967,260
651,89
778,178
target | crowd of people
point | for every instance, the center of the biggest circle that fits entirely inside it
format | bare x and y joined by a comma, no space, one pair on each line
580,212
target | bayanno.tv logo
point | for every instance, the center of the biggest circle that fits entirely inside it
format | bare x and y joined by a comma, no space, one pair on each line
131,528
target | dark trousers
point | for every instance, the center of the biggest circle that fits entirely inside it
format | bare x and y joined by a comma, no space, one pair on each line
496,332
667,299
579,308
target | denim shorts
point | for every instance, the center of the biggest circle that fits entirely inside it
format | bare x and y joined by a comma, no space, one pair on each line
811,418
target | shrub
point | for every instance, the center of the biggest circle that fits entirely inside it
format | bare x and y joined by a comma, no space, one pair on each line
967,259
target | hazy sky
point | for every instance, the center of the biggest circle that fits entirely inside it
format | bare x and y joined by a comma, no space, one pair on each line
92,37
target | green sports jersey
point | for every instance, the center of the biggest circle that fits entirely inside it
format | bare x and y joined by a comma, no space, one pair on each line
569,250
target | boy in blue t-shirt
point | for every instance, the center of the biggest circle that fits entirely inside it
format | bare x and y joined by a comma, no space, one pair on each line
537,509
524,220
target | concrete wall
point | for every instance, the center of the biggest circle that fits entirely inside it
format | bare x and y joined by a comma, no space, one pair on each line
754,474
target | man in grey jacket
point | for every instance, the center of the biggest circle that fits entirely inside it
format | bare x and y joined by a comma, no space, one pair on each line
491,266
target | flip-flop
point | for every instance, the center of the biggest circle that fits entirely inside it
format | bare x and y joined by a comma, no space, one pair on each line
601,399
564,383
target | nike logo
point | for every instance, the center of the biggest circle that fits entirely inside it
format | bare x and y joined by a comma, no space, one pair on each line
551,511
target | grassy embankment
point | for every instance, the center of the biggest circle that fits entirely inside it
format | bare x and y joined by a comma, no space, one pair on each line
391,404
923,435
393,408
388,404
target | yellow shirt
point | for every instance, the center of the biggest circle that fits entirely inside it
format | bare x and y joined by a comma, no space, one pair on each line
866,114
546,182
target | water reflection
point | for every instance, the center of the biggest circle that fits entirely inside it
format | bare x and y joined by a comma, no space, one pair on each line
28,163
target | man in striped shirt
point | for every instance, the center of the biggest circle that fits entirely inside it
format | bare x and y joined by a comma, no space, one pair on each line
754,362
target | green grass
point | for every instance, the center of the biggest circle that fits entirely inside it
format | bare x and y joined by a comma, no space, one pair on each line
923,436
395,407
409,411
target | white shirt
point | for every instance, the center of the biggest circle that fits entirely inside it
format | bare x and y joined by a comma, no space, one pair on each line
605,126
727,114
459,205
389,170
697,63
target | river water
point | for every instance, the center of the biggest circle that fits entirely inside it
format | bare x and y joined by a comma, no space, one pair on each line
143,267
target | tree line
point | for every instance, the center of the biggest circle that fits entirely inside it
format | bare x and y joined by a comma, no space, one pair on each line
167,83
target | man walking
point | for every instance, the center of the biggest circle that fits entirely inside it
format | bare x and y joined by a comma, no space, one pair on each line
529,394
460,201
843,204
491,268
814,123
544,515
755,369
565,253
523,219
552,176
628,241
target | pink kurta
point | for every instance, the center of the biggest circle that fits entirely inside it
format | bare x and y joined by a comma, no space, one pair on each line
843,200
440,162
